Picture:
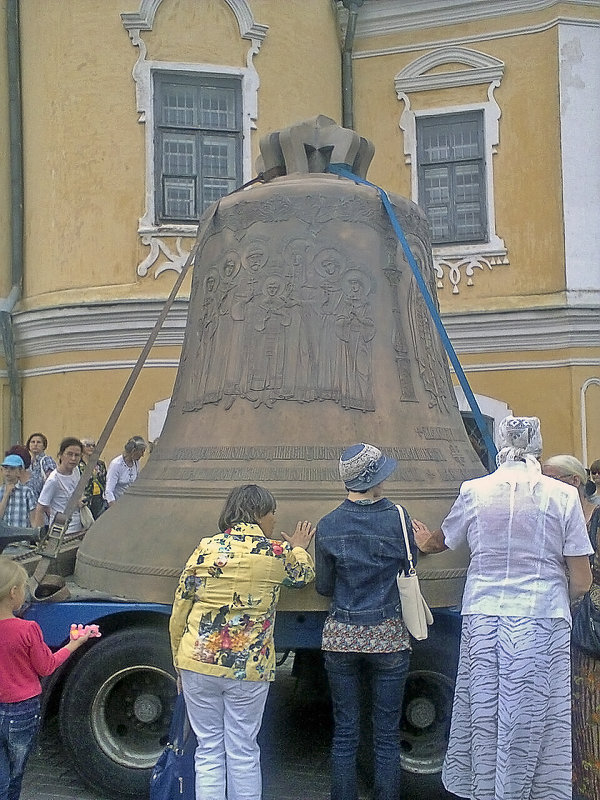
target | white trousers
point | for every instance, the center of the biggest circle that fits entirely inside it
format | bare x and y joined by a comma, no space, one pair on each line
226,715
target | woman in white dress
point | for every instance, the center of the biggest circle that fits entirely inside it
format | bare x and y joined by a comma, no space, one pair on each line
123,470
510,737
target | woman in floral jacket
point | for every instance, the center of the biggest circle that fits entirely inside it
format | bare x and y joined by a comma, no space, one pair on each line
222,637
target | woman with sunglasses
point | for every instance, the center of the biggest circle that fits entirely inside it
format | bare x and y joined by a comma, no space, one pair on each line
94,490
569,469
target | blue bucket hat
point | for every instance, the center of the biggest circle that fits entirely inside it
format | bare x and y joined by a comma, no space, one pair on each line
363,466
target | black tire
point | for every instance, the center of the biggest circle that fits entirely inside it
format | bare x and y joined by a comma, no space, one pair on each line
427,707
115,710
426,710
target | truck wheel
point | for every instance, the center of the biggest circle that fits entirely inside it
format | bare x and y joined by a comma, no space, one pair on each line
428,695
116,708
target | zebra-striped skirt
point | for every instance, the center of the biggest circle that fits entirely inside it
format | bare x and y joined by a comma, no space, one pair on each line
510,737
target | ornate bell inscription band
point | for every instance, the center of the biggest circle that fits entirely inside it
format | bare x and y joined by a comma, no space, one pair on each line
288,453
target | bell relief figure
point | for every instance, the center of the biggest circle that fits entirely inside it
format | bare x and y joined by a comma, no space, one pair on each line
271,318
355,329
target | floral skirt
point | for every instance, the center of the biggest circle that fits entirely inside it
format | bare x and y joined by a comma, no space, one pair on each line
586,726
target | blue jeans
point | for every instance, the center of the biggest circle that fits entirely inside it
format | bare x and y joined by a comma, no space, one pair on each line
387,673
19,723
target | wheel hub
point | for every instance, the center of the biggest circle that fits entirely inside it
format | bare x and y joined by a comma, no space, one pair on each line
147,707
420,712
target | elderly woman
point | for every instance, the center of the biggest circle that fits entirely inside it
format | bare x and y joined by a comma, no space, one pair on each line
585,666
222,637
569,469
124,469
510,735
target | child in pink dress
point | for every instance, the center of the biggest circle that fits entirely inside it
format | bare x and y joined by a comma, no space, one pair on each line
24,657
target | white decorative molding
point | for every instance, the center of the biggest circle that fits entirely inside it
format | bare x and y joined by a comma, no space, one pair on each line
157,246
550,363
385,17
475,38
97,326
143,20
127,324
479,68
454,260
173,363
582,398
520,330
452,269
93,366
152,234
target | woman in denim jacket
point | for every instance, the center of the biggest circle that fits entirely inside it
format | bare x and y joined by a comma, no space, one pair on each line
359,551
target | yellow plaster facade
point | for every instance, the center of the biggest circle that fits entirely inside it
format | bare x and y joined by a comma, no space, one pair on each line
521,309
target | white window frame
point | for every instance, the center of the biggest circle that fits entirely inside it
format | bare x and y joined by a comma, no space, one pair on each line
479,160
420,75
148,224
151,233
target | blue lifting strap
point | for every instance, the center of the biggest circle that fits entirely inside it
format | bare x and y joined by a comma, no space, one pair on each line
345,172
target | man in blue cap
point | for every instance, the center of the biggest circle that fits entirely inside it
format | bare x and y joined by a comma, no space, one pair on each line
359,550
17,502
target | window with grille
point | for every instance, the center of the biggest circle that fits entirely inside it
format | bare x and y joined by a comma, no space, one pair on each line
477,440
451,168
198,143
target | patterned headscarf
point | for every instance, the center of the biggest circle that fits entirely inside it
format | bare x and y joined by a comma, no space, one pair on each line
363,466
520,439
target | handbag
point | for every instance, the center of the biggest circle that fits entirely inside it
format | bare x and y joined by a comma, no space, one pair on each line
415,611
173,776
86,516
586,626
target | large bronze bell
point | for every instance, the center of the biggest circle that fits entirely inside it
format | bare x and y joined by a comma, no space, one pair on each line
306,333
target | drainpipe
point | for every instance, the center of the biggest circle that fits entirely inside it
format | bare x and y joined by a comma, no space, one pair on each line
347,83
16,226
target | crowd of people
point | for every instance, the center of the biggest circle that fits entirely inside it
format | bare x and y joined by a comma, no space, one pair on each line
531,529
523,692
36,488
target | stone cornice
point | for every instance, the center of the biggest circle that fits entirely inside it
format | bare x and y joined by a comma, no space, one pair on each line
127,324
96,326
384,17
475,38
524,330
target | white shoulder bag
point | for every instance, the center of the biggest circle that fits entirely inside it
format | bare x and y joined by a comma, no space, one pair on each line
415,611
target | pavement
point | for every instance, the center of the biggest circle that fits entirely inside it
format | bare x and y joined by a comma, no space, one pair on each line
295,740
295,747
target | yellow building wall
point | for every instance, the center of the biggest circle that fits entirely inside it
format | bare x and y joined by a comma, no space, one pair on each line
86,164
51,403
85,171
528,202
86,149
5,268
540,388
